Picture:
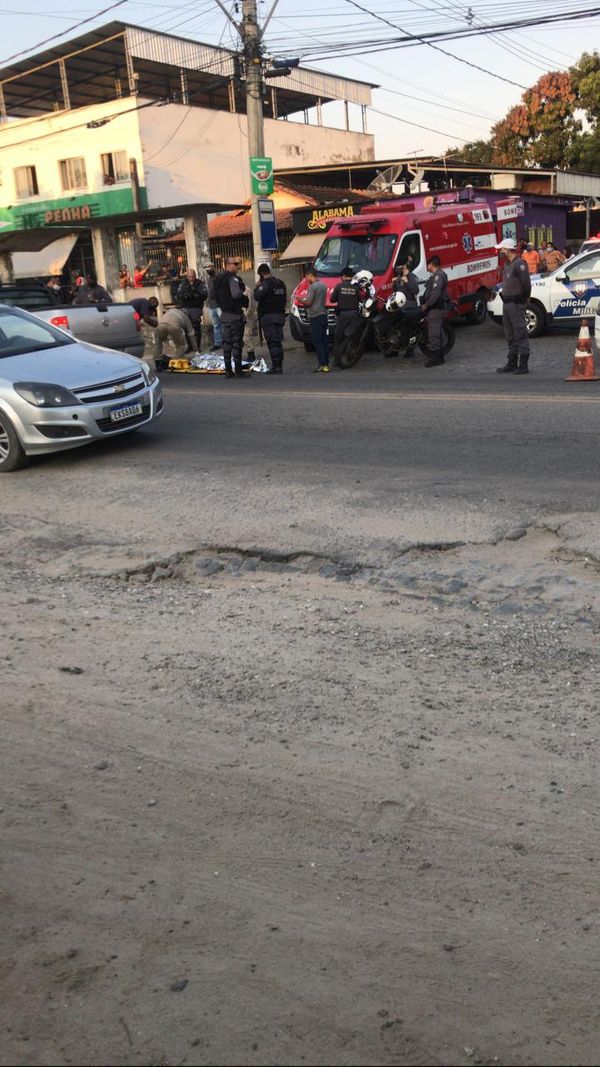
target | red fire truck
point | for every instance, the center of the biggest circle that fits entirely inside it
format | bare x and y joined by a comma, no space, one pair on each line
462,235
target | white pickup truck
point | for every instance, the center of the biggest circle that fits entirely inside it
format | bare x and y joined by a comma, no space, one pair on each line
115,326
562,298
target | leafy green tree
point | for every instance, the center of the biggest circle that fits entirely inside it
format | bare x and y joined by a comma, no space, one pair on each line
474,152
585,78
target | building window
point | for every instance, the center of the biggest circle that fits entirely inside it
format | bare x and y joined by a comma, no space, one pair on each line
26,182
72,173
115,167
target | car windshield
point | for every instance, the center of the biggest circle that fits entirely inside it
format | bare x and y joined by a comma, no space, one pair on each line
361,252
21,333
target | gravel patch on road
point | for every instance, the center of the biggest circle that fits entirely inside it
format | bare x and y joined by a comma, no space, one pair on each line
301,810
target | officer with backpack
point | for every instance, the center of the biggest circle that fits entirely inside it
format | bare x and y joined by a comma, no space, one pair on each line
271,298
230,296
346,298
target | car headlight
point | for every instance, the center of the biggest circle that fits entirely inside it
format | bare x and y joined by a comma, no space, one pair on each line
149,373
294,310
43,395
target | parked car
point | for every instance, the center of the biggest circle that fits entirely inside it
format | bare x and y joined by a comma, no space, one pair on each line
562,298
591,244
57,393
110,325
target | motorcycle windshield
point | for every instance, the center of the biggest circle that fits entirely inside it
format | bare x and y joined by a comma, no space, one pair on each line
361,252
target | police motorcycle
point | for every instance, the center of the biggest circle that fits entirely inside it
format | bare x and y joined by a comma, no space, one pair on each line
393,330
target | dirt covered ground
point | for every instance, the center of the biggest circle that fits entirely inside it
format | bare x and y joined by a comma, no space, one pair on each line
277,809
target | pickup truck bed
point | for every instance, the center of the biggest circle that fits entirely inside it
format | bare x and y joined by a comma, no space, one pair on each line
113,326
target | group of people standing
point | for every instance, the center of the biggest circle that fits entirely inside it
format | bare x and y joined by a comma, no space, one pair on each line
350,293
227,298
544,259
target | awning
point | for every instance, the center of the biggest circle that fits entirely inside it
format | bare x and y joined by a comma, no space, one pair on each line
45,262
302,248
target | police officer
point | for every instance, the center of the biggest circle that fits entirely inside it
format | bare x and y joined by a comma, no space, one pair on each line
435,303
191,295
271,299
346,298
406,282
516,288
230,295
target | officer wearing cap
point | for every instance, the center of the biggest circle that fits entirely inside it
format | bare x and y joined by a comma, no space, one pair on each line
516,290
271,298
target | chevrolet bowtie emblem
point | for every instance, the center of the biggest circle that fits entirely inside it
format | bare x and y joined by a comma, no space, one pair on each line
119,388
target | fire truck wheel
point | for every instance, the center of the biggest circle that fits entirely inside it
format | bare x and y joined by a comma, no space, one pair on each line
479,312
535,316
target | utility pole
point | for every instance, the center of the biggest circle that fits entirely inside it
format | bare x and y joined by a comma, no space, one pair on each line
251,41
252,49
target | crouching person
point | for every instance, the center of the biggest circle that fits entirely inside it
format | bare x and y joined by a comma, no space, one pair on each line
176,326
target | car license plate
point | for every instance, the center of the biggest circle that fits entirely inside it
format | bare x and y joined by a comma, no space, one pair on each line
125,411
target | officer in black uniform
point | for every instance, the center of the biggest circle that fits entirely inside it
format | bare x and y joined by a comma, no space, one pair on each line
435,303
271,300
346,298
515,292
406,282
230,295
191,296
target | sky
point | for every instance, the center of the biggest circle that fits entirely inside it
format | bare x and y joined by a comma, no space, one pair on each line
430,101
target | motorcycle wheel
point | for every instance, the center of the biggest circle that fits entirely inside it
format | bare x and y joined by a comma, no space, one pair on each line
448,336
349,352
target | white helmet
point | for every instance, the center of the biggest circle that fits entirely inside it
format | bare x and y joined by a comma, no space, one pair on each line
363,277
395,301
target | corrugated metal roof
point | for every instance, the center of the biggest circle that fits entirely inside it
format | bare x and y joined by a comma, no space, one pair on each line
177,52
96,60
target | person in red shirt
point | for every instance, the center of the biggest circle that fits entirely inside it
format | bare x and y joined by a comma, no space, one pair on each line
139,275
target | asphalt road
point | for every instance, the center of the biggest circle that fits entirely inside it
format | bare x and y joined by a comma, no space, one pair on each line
384,452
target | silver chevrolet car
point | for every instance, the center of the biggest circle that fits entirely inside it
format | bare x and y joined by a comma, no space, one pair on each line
58,393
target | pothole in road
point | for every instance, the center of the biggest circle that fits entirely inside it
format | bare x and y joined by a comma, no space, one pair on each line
523,570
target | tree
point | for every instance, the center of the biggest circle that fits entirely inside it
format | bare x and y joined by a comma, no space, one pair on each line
540,131
474,152
544,130
585,78
557,124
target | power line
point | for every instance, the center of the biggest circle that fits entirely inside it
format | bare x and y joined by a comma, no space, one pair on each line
442,133
348,48
437,48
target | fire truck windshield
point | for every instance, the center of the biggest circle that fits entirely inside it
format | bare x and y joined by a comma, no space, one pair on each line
360,252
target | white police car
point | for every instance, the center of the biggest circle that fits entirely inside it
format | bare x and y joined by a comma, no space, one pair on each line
560,298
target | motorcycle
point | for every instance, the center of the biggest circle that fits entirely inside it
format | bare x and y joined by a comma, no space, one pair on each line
393,331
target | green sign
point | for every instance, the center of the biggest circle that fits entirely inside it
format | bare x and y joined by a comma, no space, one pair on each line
83,208
261,171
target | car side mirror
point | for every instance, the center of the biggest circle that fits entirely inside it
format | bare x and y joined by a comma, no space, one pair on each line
561,277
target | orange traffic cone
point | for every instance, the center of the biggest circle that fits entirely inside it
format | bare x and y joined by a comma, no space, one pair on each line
583,369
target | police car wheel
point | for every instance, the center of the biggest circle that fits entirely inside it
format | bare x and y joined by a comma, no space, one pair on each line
535,317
